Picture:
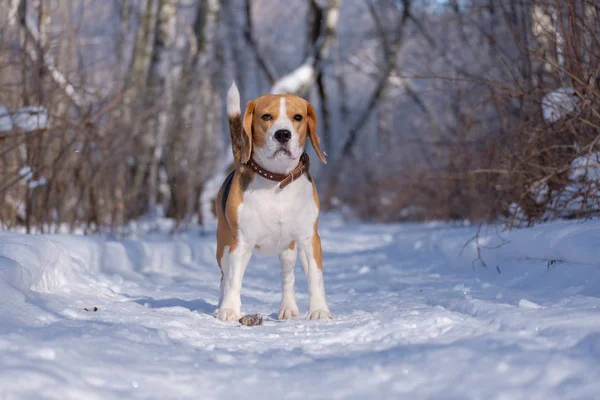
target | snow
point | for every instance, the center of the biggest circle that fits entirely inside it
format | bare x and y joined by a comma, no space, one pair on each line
558,104
587,167
26,118
25,172
296,80
581,192
416,315
539,191
5,120
31,117
212,187
40,182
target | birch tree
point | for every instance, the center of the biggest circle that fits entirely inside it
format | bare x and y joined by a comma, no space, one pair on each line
135,113
194,128
160,93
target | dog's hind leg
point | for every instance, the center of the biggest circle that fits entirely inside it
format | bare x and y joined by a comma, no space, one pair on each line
223,264
289,308
312,262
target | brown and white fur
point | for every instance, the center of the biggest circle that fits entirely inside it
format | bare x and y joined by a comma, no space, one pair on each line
259,215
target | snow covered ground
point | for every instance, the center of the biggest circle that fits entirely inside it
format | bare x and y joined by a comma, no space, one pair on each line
416,316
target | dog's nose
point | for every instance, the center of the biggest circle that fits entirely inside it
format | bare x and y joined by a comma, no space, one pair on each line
283,135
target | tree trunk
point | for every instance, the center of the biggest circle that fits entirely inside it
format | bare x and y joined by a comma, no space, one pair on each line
302,78
134,110
193,131
160,93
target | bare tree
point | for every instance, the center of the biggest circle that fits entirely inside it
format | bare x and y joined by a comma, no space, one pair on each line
482,110
160,93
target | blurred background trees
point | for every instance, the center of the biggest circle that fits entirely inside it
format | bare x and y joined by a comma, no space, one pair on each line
111,111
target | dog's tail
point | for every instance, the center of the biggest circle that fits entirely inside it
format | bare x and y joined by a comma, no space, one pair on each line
236,129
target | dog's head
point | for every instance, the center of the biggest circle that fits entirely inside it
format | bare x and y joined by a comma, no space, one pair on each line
276,127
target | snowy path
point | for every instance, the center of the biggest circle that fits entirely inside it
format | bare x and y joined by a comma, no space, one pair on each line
413,318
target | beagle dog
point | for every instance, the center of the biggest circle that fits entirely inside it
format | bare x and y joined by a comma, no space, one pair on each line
269,203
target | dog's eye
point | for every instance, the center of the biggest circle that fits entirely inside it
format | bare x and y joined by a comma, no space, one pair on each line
298,117
267,117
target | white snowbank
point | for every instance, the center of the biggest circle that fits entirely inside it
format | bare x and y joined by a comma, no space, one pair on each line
571,242
586,167
31,118
558,104
581,193
98,318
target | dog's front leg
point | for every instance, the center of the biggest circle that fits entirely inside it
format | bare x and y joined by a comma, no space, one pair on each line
231,306
312,261
289,308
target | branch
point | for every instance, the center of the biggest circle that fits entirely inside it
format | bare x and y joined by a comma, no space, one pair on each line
392,53
24,173
59,78
302,78
260,60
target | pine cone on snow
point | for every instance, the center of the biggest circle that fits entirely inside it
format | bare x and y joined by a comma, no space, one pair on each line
251,319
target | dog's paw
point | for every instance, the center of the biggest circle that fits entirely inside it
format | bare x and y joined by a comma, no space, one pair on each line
227,314
319,314
288,311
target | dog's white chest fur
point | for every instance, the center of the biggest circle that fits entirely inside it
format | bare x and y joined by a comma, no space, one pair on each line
271,218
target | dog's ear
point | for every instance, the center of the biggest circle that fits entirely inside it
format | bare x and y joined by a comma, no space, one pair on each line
311,117
247,149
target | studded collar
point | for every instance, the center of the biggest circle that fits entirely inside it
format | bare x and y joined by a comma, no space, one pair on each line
283,179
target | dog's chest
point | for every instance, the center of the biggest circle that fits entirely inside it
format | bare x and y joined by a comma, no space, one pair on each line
271,218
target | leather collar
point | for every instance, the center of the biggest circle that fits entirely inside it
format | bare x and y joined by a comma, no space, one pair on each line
283,179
